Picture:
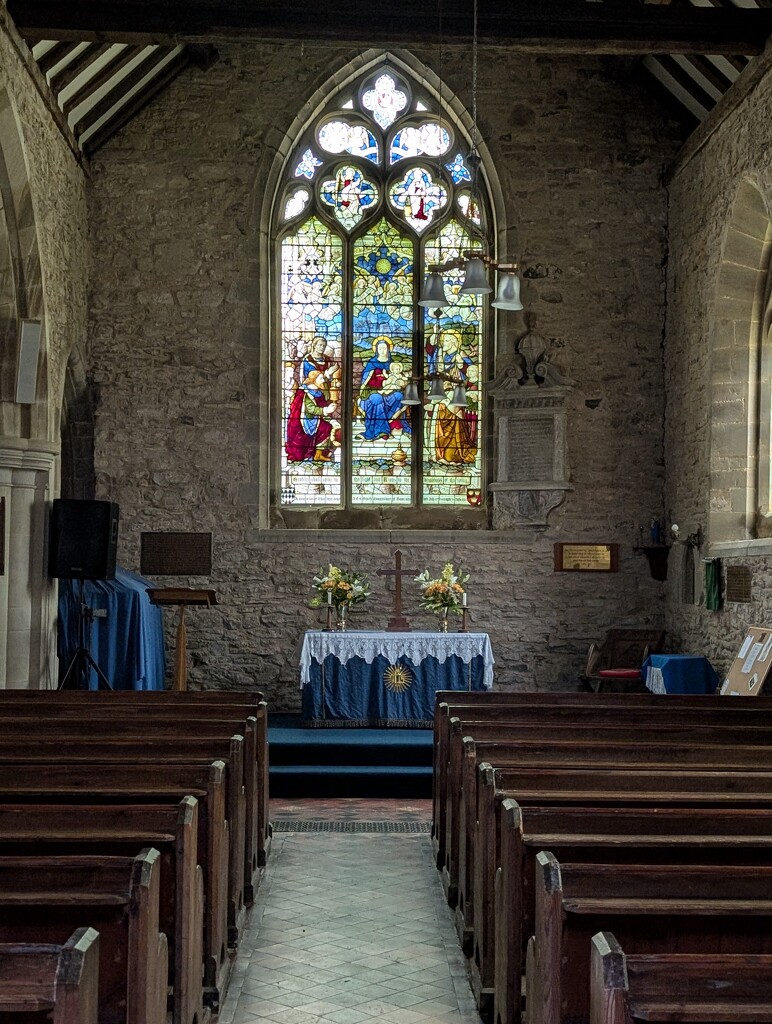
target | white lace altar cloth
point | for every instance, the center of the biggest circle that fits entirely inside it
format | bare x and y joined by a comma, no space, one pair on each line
367,645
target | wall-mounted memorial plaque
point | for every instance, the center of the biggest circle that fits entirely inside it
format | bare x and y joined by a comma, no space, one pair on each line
586,558
176,554
529,408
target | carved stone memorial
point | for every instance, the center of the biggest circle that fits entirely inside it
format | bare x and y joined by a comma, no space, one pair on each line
529,409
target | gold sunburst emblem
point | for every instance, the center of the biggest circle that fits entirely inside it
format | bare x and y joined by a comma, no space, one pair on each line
397,678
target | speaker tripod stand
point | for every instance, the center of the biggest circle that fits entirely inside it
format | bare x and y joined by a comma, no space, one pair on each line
77,675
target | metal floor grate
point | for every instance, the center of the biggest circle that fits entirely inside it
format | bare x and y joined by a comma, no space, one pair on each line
415,827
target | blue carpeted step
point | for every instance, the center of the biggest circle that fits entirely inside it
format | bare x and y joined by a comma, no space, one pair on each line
340,762
350,746
351,780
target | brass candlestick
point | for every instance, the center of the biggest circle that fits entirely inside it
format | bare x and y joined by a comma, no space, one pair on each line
463,628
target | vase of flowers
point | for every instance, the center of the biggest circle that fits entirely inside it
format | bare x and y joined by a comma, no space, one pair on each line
339,589
444,595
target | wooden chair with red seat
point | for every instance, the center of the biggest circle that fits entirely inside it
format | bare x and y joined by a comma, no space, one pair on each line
617,661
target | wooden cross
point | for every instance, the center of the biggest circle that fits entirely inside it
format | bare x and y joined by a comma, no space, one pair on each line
398,623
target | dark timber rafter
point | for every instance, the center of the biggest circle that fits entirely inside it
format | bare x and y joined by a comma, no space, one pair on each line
612,27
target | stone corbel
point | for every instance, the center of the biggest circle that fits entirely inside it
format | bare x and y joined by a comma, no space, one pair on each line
515,505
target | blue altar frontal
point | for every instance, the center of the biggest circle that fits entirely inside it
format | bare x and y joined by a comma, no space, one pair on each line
381,679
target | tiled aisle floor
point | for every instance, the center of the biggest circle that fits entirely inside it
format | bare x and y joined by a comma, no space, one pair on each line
350,929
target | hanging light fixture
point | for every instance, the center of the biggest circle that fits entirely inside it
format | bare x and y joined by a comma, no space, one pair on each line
508,295
475,263
433,295
412,394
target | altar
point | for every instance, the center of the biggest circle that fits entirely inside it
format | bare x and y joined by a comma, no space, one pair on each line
362,678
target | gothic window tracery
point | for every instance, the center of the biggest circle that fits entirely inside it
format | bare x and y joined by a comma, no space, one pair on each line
377,189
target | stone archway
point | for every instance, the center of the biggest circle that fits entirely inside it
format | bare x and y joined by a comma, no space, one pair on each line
740,402
28,458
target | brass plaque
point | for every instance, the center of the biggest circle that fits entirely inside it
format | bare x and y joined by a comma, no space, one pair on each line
176,554
586,558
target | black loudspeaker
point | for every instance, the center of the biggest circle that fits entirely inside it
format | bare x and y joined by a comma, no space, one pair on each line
84,539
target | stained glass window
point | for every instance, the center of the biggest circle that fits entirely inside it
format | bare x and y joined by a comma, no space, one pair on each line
430,139
349,194
377,204
307,165
385,100
453,345
419,197
338,136
458,170
297,201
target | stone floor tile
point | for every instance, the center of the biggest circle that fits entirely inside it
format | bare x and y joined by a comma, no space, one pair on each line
349,928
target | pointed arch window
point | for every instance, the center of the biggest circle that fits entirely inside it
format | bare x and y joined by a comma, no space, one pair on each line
375,190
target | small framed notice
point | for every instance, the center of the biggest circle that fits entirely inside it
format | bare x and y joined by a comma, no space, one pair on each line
586,558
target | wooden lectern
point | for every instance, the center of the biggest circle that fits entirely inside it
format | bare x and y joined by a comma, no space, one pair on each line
182,597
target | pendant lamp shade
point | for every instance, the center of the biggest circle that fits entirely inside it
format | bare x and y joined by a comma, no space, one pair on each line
433,295
458,401
508,295
436,391
475,279
411,395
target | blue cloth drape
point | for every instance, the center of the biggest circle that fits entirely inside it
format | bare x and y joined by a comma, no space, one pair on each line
128,643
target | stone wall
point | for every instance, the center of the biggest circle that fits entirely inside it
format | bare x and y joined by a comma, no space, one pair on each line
733,148
49,186
178,357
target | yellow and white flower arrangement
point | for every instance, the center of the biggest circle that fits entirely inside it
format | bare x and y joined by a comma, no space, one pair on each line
345,588
445,593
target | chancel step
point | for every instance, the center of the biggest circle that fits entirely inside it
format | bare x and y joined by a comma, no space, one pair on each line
348,762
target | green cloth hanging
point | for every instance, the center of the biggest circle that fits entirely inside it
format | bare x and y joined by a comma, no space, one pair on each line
712,584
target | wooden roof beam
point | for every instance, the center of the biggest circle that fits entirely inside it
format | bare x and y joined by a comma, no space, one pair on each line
573,26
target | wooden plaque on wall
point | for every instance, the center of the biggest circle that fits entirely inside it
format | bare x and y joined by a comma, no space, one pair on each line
176,554
586,558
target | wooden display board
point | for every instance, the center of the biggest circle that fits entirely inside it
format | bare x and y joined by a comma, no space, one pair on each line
752,665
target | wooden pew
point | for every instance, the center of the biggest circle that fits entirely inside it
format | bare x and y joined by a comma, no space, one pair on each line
236,712
551,723
159,701
653,835
150,784
676,909
510,707
61,980
677,986
40,898
113,830
567,754
476,909
107,743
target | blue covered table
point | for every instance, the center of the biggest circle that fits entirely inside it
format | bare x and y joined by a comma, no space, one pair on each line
127,642
679,673
360,678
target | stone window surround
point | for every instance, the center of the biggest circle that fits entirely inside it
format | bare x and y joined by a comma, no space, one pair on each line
741,398
273,516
